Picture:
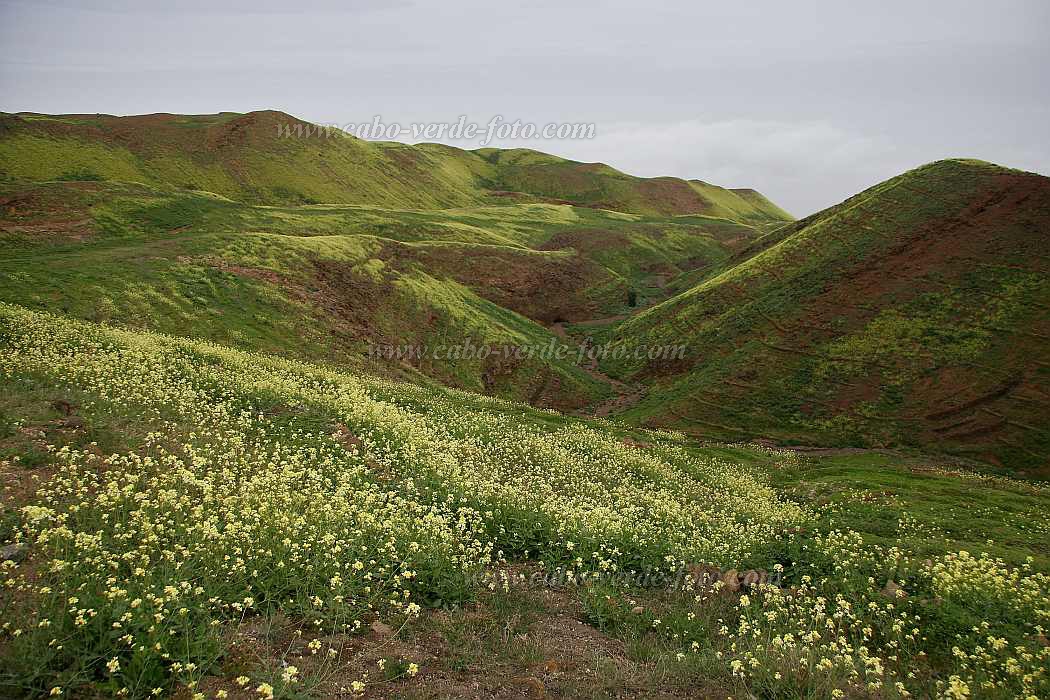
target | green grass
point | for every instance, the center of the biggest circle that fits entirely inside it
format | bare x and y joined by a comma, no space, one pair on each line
199,510
205,449
945,508
245,158
909,315
321,282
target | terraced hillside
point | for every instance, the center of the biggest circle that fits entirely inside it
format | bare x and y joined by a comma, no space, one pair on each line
246,157
914,313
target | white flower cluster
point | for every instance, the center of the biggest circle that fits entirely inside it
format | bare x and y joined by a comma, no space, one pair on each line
266,484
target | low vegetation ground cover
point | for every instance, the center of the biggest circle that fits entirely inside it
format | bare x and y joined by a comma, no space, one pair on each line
326,282
912,314
190,519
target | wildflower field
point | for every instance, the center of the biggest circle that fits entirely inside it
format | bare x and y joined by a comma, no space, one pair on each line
163,495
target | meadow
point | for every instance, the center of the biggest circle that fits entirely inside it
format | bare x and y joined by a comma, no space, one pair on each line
183,492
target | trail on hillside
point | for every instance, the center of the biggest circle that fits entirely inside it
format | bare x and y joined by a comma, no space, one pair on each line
624,395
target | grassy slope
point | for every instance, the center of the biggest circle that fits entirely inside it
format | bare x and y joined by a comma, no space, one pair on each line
598,185
238,156
914,313
253,452
243,157
209,222
319,282
261,485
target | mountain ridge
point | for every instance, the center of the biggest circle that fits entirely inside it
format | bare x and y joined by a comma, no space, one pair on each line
245,157
903,316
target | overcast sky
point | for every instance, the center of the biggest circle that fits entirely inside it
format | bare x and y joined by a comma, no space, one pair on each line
806,101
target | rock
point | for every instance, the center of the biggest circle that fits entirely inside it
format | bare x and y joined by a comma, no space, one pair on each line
346,438
62,406
892,590
551,666
382,630
731,579
534,686
704,574
14,552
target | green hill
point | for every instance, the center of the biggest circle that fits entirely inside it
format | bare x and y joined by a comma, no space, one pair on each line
270,157
325,282
910,314
598,185
212,226
211,488
914,313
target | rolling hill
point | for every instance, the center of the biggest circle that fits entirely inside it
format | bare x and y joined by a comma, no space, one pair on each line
914,313
246,157
210,488
202,226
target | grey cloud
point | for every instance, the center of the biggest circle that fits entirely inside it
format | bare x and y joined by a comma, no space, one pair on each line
806,101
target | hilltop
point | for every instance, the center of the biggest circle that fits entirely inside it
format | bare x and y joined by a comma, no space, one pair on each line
914,313
246,157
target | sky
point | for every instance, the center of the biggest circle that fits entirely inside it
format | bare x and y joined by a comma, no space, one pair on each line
808,102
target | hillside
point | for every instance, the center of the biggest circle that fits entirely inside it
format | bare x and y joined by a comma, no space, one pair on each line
324,282
600,186
245,157
213,489
181,518
210,226
914,313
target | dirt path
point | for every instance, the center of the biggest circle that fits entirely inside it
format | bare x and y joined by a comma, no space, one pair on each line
604,321
625,395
